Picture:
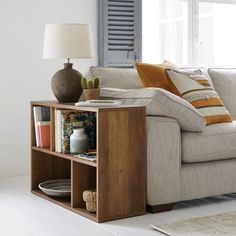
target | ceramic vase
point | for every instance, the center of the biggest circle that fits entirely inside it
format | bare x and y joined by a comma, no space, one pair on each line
66,84
78,141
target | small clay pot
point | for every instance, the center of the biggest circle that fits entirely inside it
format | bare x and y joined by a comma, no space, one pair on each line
91,94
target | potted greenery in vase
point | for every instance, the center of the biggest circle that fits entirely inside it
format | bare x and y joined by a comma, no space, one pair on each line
91,88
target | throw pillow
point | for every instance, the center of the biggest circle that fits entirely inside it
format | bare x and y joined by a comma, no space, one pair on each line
159,102
170,65
197,90
155,75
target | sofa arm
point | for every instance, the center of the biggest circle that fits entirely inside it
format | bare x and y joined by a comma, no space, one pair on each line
163,160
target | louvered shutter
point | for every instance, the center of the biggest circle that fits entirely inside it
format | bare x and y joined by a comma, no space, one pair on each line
120,29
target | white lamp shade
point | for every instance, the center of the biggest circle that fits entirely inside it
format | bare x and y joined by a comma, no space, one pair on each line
67,41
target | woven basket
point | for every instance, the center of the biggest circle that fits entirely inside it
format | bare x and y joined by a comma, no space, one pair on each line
90,198
91,94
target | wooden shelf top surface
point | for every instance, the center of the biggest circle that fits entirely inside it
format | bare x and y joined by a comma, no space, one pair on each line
71,106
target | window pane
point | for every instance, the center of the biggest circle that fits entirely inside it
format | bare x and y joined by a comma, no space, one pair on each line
217,34
165,31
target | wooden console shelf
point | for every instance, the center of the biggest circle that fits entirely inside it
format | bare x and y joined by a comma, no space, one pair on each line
119,175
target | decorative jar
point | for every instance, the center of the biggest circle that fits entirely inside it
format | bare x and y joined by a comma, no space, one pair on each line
78,141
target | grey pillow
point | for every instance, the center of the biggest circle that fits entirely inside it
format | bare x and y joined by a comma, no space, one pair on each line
160,102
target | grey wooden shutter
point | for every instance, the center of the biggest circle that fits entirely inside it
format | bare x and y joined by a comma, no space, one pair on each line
120,30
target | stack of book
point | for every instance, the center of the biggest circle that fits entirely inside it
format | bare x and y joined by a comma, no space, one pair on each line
42,126
66,121
90,156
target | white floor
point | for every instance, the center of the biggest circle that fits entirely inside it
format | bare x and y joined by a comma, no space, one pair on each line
23,214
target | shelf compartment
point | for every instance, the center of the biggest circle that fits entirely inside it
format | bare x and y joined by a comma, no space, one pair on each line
65,156
83,177
44,168
65,203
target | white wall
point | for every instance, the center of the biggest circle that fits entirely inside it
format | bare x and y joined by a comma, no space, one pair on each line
24,75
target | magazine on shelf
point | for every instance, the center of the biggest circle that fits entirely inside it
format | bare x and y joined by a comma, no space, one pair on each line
99,103
90,156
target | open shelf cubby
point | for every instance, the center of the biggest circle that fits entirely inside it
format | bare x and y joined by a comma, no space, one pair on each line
118,175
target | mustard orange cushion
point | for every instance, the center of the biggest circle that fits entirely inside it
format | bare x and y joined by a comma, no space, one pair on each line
155,76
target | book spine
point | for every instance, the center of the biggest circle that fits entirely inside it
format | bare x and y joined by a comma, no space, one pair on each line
56,130
59,130
64,134
37,117
39,136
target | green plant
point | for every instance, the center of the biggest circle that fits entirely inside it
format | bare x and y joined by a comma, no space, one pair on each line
90,83
84,83
96,82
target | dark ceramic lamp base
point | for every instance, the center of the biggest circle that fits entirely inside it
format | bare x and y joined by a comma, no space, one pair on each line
66,84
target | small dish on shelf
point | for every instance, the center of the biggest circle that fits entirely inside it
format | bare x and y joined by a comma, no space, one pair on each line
56,188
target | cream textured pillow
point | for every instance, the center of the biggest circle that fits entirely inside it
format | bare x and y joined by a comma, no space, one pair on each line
197,90
117,77
170,65
160,102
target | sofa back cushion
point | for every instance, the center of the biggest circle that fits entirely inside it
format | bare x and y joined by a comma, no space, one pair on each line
160,102
224,81
197,90
117,77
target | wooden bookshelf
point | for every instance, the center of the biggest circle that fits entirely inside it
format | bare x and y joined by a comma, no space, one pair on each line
119,175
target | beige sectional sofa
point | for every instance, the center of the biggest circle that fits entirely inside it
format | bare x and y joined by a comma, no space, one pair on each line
182,165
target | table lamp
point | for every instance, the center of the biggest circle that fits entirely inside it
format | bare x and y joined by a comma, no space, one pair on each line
66,41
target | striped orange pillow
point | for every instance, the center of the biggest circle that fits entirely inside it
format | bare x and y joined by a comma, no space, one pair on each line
197,90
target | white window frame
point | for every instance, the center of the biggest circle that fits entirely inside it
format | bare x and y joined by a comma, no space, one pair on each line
193,28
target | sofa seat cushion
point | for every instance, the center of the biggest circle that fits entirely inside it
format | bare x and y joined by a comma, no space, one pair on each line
215,142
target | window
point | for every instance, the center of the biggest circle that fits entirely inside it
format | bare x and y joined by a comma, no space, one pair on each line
189,32
165,31
217,34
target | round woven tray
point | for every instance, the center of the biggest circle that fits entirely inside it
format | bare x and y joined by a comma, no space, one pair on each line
90,198
56,188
